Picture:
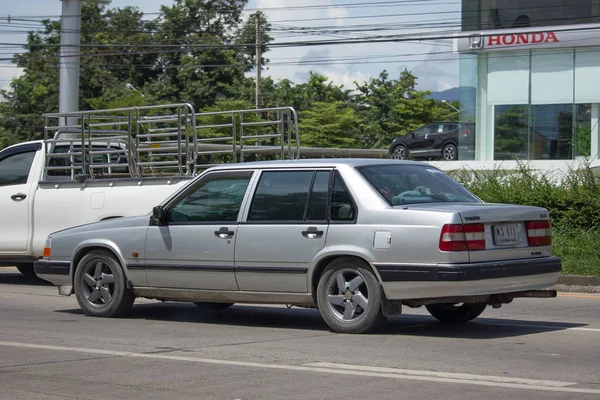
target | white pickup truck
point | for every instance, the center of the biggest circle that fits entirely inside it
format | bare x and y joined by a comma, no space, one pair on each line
102,164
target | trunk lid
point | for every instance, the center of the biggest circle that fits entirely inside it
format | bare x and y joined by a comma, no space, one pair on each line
505,228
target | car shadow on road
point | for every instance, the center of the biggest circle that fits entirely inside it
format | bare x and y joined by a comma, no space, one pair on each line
310,319
16,278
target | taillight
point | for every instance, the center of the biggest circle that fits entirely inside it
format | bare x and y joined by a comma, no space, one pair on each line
459,237
539,233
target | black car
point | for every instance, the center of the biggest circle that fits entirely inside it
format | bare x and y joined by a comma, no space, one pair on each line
437,140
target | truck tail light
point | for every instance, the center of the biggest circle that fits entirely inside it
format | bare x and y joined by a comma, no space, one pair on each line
539,233
459,237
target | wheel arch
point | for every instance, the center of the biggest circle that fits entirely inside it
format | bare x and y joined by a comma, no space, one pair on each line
325,260
86,247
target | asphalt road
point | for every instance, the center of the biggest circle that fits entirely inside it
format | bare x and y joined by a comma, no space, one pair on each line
531,349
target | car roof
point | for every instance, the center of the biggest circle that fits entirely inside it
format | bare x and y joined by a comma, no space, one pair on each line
316,163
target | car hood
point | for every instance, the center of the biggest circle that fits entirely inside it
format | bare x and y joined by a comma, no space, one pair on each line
124,222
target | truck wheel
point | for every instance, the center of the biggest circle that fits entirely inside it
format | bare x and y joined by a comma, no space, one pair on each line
349,297
27,270
452,313
212,306
100,285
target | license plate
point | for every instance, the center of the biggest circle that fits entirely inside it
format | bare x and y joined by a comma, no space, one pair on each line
507,235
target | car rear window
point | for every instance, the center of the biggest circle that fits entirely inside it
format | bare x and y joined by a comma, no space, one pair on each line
413,184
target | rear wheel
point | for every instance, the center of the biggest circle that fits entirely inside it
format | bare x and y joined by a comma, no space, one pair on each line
456,313
101,287
449,152
213,306
349,297
27,270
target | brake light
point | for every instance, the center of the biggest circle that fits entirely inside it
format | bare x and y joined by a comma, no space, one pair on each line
539,233
46,252
459,237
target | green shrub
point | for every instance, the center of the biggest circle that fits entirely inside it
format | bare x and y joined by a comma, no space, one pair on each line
572,200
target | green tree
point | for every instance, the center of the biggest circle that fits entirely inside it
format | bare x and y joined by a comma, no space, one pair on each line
330,124
393,107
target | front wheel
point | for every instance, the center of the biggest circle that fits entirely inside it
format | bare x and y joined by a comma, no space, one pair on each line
449,152
349,297
456,313
101,287
400,153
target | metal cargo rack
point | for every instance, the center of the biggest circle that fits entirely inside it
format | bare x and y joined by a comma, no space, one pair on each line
162,140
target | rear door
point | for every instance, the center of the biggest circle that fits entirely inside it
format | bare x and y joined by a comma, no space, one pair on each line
285,227
16,192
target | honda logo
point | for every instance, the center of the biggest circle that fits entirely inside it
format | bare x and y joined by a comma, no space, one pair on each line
476,42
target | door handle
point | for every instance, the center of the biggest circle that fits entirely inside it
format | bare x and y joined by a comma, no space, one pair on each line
18,196
312,233
224,233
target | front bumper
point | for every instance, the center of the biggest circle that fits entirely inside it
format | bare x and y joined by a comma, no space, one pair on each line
401,281
57,272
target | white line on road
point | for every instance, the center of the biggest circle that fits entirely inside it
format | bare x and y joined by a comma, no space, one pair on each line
343,369
436,374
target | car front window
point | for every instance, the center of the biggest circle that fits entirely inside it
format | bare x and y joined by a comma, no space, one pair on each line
217,198
414,184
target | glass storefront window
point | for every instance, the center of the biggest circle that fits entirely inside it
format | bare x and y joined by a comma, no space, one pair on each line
531,105
511,126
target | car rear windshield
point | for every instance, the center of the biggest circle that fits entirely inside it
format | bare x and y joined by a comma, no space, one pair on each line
413,184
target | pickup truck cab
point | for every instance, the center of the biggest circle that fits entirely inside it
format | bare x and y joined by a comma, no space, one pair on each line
103,164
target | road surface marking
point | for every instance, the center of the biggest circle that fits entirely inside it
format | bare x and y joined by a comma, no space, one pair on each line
343,369
436,374
580,296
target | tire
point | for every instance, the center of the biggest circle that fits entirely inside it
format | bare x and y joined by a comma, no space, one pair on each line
339,306
449,152
212,306
400,153
27,270
451,313
101,287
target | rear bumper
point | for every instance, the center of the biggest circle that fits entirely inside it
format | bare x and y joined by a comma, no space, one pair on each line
442,280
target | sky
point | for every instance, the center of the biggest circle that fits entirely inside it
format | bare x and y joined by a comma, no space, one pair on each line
432,62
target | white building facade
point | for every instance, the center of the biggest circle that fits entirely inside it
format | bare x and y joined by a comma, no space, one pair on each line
530,80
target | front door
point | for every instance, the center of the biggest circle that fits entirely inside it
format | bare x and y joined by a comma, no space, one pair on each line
15,197
194,250
285,227
422,145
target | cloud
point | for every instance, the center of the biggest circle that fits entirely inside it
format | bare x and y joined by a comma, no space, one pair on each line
7,73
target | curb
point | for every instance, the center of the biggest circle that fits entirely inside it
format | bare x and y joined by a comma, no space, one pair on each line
578,283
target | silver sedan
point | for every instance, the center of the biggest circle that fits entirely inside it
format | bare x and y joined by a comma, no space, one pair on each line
358,239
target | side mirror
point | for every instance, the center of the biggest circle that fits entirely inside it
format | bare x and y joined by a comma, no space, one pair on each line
159,214
412,134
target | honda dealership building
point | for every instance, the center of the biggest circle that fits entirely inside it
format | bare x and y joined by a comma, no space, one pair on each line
530,79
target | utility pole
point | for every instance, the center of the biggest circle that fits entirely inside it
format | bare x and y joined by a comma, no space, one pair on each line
258,56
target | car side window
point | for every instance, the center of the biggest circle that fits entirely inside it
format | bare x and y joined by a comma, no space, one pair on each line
422,131
319,195
281,196
217,198
342,205
450,128
14,169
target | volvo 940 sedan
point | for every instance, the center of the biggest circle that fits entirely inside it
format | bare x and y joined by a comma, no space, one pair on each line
357,239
